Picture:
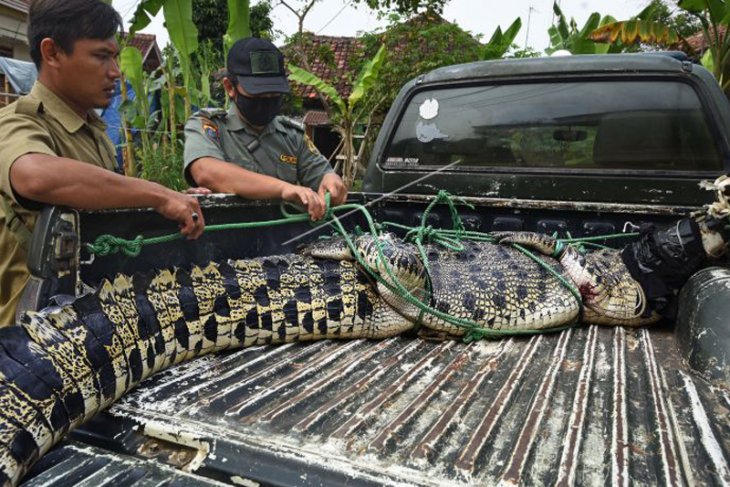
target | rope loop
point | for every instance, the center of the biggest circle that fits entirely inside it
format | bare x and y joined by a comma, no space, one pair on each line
109,244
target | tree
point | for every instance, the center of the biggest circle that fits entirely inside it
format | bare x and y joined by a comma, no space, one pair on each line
681,22
416,46
714,18
211,18
405,7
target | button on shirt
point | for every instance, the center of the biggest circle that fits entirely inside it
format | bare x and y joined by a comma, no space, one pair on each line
39,123
281,150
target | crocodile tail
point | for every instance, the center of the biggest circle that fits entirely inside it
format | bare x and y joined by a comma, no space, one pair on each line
40,398
61,366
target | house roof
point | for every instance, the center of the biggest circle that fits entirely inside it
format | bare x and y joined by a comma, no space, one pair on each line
19,5
697,41
316,118
147,45
335,69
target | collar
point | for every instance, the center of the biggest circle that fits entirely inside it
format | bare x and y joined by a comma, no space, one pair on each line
235,123
54,105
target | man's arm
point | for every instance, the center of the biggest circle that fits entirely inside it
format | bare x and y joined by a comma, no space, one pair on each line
225,177
62,181
315,171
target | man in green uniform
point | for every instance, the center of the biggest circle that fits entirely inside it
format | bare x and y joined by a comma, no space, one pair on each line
252,152
53,148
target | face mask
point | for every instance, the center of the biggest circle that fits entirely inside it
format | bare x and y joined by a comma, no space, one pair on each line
258,111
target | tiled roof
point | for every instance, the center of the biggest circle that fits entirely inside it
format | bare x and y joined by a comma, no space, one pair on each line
19,5
147,44
698,43
335,70
316,117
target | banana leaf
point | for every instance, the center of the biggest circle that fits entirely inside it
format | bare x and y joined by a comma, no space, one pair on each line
238,23
306,78
144,13
367,78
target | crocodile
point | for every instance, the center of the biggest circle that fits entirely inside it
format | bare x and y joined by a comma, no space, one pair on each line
64,364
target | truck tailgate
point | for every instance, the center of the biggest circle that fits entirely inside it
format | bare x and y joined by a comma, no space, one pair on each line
581,406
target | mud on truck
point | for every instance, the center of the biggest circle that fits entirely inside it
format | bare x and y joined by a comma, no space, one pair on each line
583,146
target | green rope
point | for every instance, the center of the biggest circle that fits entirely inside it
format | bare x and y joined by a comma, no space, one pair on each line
474,330
108,244
449,238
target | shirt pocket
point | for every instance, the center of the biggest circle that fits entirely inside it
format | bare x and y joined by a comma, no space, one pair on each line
286,172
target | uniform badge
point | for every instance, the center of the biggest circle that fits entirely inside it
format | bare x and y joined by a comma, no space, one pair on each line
288,159
211,130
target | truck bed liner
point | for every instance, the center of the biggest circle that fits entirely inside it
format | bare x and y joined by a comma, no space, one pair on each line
590,405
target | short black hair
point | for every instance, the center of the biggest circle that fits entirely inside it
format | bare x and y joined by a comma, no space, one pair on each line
68,21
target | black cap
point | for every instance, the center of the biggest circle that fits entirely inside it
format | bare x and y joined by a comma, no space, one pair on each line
258,65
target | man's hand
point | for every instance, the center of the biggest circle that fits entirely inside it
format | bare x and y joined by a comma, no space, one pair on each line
185,210
305,197
198,190
333,183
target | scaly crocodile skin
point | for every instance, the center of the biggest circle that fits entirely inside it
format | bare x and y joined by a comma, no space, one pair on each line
63,365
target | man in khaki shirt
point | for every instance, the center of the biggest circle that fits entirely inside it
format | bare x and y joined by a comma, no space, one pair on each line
53,149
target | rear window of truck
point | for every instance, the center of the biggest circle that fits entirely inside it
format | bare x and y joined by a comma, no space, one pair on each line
635,125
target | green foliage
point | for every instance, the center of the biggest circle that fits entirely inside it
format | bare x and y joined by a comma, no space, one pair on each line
567,36
713,17
164,165
501,42
405,7
644,27
238,26
323,53
211,18
415,47
680,21
517,52
306,78
144,13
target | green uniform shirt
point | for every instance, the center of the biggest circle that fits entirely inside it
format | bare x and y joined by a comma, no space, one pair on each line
38,123
281,150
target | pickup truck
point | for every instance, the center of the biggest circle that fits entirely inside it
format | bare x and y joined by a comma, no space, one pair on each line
578,146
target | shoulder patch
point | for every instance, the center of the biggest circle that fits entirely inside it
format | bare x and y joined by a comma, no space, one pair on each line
210,129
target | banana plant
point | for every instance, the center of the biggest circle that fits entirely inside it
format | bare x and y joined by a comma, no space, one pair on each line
500,42
641,28
567,36
182,30
238,23
714,16
347,114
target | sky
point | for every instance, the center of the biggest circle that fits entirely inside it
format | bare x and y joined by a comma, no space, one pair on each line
341,18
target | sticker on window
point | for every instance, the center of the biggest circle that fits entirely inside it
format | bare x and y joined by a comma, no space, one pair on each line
426,132
429,109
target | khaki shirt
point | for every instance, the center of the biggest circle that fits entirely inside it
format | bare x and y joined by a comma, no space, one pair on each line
281,150
38,123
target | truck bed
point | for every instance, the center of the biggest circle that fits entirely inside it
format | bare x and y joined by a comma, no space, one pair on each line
590,405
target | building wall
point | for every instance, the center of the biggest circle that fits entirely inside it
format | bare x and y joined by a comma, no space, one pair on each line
13,39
